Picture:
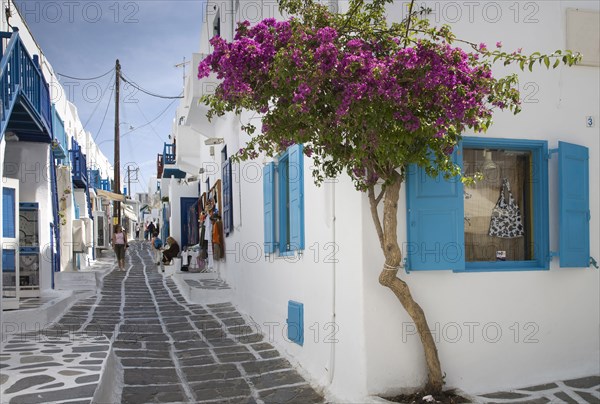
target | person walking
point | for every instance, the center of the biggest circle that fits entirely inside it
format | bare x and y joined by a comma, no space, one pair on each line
151,229
137,231
119,242
157,246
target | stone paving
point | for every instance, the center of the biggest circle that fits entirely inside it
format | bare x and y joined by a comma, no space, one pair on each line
168,350
49,366
207,284
582,390
139,341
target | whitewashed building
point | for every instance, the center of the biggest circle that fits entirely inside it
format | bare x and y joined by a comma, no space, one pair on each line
504,313
48,195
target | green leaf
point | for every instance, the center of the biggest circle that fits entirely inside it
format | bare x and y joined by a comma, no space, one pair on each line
531,65
547,62
556,63
522,64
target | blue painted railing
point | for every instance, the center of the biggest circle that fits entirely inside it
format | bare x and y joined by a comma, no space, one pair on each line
94,178
78,166
20,74
59,136
105,184
54,227
169,153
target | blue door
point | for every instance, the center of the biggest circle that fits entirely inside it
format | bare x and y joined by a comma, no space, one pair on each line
10,243
187,222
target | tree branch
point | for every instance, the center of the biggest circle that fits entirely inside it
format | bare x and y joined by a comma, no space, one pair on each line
410,10
374,214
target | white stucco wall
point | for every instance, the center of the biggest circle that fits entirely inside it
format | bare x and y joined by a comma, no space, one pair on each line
26,162
178,190
549,320
2,147
264,285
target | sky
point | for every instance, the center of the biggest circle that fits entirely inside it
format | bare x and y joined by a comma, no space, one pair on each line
82,39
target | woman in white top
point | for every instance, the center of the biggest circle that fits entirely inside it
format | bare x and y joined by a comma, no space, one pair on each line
119,241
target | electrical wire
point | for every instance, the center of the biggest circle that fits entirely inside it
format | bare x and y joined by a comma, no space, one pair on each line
151,126
98,103
112,90
136,86
154,119
85,78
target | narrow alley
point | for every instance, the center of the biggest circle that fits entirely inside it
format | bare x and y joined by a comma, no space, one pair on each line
166,350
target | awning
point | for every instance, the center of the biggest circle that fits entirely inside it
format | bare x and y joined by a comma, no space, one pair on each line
130,214
111,196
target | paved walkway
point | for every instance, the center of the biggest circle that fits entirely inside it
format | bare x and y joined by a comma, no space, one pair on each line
166,349
583,390
138,341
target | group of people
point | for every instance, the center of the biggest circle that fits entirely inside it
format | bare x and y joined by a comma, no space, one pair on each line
150,228
211,232
165,254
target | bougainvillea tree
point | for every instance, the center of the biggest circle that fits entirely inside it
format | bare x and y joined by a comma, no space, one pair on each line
367,98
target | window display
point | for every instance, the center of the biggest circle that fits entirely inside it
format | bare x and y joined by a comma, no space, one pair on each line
498,207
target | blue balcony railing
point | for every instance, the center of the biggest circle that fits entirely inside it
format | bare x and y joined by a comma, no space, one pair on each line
169,153
78,166
94,178
59,136
105,184
24,94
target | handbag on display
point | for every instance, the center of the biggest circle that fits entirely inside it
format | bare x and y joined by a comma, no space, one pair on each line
506,219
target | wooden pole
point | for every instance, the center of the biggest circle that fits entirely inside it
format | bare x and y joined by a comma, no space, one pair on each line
117,157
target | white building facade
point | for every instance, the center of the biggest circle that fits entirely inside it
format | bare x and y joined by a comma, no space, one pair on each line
504,313
47,219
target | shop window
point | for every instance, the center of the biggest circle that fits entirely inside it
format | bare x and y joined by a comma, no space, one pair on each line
501,222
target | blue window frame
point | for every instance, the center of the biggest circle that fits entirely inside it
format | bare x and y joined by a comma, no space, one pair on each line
227,192
450,226
283,200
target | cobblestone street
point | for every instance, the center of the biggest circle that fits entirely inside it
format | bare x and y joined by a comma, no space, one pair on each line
166,350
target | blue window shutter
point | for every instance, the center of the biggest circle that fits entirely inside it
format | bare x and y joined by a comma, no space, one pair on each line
227,211
296,192
574,205
8,212
9,260
435,225
295,322
269,206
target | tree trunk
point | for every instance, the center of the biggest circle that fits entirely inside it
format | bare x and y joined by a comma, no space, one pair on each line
388,278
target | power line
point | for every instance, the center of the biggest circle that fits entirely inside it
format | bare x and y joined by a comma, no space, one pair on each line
105,112
136,86
154,119
86,78
151,126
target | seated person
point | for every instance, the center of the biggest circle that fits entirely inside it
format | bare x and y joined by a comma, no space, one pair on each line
171,250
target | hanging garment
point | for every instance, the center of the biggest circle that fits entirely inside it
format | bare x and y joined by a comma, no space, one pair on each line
506,216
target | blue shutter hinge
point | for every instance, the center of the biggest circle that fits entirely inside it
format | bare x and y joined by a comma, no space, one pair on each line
594,263
405,265
550,153
552,254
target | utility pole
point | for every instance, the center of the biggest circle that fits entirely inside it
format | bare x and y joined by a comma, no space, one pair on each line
117,157
183,66
129,171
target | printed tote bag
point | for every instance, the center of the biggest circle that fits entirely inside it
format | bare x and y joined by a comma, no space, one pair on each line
506,216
